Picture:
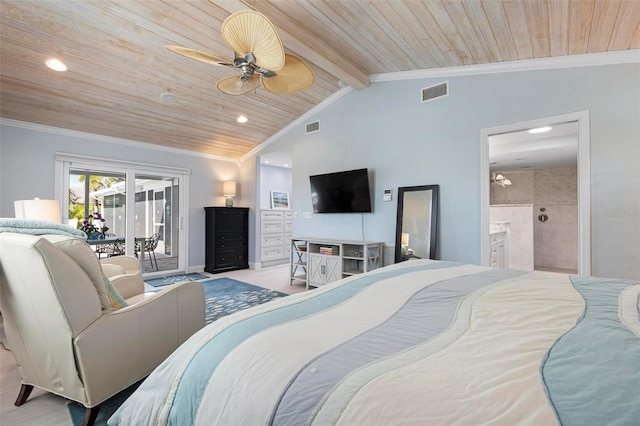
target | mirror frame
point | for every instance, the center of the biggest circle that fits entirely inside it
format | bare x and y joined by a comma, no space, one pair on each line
433,226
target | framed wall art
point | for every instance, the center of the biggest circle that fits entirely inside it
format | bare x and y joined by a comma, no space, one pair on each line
279,199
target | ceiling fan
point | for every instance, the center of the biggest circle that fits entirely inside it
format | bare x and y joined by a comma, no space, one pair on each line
258,55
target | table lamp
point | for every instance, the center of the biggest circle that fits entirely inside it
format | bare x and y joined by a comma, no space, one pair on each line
229,191
38,209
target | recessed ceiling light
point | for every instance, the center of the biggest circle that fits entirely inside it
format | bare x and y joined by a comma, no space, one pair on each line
56,64
286,165
540,129
242,119
266,161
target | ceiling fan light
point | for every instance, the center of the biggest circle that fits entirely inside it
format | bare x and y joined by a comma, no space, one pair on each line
235,86
506,182
499,177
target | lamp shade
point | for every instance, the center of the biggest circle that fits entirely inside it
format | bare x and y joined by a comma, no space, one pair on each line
405,239
229,188
38,209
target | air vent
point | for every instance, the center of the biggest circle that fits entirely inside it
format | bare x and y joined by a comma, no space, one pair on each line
313,127
436,91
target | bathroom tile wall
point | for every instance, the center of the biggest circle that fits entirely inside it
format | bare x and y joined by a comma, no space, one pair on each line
556,191
556,240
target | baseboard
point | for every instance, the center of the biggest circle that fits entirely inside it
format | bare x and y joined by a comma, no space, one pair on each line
274,262
197,268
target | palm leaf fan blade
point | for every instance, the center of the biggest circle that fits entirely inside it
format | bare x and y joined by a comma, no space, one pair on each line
209,58
235,86
294,77
248,31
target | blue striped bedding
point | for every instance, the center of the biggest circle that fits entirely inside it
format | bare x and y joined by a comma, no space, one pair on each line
421,342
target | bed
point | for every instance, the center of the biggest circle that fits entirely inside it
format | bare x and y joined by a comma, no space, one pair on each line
421,342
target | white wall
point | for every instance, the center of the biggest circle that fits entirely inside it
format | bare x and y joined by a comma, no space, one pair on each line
403,142
273,178
27,170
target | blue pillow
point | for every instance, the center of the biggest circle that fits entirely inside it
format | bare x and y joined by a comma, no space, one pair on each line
116,300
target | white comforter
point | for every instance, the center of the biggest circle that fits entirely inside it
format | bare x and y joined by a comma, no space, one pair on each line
421,342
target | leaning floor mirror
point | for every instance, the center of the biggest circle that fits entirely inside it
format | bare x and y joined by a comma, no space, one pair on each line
417,222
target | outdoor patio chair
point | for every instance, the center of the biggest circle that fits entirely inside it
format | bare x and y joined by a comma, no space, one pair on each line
150,245
115,248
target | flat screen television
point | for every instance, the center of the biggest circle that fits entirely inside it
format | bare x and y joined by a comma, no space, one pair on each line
341,192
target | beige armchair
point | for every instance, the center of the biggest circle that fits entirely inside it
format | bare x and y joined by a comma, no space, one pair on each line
62,330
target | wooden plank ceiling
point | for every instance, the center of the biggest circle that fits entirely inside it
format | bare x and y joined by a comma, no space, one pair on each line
118,68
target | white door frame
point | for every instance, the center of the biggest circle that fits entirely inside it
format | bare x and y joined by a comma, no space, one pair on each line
584,183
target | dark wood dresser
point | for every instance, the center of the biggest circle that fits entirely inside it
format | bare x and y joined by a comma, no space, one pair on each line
226,239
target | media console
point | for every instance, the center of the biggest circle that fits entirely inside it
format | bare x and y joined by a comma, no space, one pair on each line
316,261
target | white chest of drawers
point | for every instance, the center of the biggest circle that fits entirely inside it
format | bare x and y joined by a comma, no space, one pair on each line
275,234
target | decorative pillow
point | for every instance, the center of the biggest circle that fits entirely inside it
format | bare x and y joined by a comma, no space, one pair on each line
115,298
82,254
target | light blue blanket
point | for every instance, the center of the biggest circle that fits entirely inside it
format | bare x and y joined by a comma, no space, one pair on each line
420,342
38,227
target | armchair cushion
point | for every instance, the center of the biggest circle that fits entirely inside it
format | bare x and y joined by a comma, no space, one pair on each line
82,254
128,264
112,270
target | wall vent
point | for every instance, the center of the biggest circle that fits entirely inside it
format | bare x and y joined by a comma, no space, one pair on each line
436,91
313,127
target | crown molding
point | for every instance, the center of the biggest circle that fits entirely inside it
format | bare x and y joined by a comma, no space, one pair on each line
556,62
109,139
322,105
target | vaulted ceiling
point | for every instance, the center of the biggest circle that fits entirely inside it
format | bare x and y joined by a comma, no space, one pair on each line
118,68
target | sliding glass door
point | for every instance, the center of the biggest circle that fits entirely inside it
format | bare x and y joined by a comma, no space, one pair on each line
157,220
99,194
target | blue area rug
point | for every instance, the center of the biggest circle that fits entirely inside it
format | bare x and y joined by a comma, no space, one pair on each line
159,282
224,296
107,408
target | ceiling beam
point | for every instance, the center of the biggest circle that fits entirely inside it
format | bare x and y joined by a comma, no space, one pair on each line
303,43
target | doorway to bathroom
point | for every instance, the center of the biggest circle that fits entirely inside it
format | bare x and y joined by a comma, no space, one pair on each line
535,208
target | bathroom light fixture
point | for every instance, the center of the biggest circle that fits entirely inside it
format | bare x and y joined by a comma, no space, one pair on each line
540,129
242,119
500,179
56,64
